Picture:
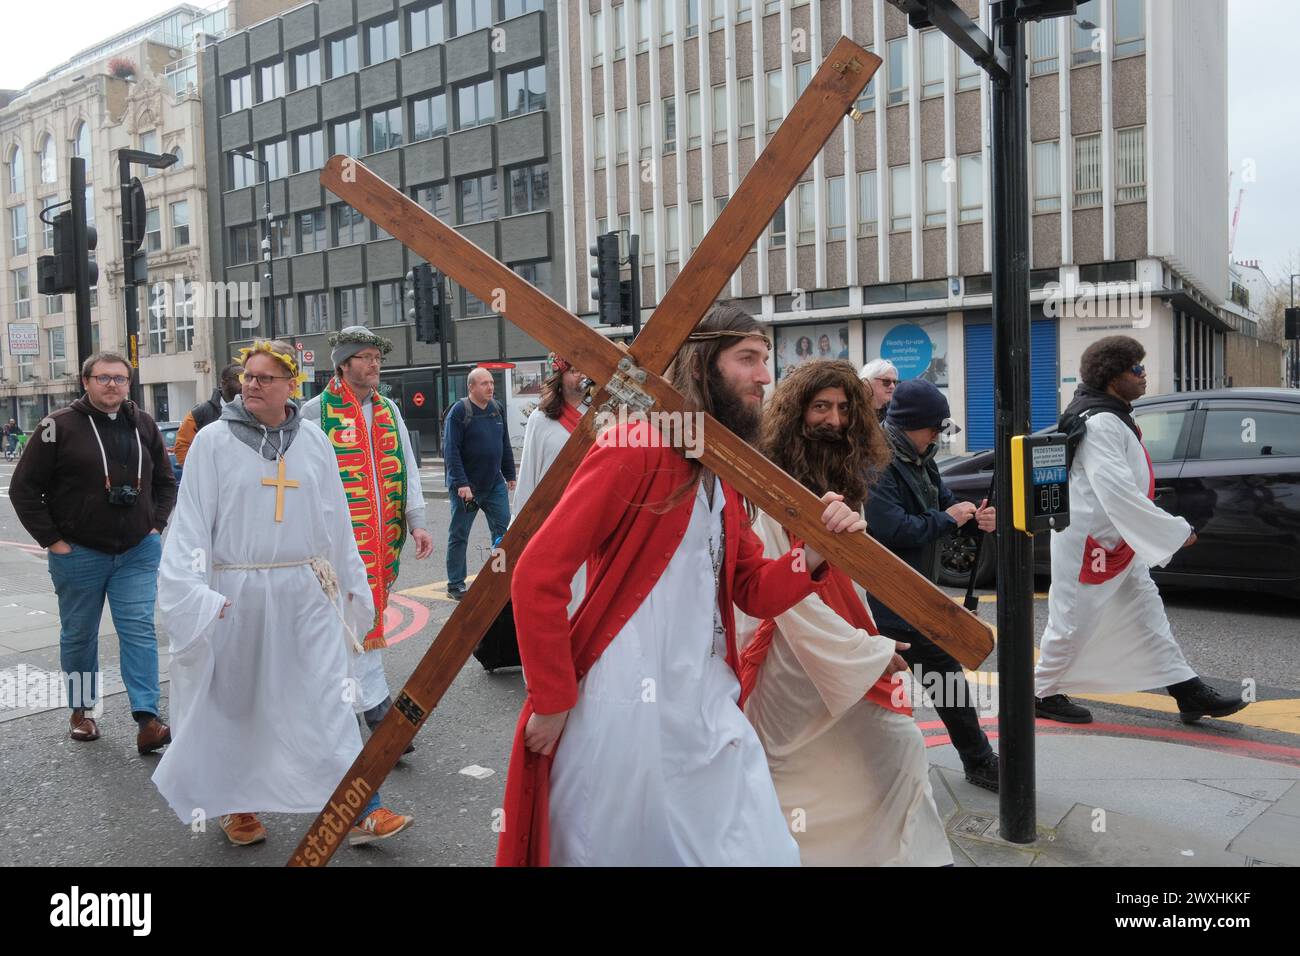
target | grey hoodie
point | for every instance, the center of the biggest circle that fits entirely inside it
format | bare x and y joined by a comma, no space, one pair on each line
267,441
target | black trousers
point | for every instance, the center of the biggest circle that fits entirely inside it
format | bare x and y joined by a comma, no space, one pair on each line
958,715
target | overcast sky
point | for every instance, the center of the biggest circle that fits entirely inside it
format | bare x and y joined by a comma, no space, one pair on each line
1263,112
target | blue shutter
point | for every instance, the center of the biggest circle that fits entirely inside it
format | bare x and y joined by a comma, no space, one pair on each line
1043,391
979,422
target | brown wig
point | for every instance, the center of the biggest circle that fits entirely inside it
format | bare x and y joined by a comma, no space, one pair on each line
848,466
552,400
1107,359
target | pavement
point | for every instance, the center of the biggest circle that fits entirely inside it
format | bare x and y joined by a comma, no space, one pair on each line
1136,788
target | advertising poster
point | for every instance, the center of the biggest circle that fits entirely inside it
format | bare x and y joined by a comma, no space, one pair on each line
24,339
797,344
917,346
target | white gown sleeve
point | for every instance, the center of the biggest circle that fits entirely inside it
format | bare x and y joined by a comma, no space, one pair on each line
530,461
188,606
841,660
414,490
1153,533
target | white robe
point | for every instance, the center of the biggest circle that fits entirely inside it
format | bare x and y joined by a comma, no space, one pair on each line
857,772
544,438
1111,637
261,700
657,765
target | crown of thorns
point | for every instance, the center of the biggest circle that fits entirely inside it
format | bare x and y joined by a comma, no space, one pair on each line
727,334
360,338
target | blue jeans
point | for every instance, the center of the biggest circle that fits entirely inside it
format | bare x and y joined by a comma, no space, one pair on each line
82,579
496,505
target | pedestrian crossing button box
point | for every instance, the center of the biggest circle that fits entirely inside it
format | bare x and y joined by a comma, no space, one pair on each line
1040,483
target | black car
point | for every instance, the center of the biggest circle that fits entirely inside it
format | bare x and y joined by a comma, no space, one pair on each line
1227,460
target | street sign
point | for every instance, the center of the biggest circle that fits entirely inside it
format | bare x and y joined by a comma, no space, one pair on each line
308,357
418,399
24,339
298,346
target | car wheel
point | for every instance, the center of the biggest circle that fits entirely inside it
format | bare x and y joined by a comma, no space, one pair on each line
957,556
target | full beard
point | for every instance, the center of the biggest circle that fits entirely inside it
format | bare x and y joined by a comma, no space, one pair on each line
824,460
735,412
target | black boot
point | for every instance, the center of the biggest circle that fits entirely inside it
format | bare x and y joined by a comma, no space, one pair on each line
985,773
1059,707
377,713
1197,699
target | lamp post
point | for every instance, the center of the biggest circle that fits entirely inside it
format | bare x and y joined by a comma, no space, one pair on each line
1295,343
268,275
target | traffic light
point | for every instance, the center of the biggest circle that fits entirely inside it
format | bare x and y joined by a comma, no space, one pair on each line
606,273
425,293
54,274
438,306
134,220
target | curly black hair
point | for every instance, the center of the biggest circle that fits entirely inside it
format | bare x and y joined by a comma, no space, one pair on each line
1106,359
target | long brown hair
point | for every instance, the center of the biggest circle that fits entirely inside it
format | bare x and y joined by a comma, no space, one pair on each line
552,400
848,467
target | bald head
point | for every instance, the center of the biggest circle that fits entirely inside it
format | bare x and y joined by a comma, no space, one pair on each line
481,386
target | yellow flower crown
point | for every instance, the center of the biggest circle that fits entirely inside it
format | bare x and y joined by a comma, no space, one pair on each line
264,347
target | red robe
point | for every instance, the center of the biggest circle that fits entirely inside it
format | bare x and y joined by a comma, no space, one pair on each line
608,514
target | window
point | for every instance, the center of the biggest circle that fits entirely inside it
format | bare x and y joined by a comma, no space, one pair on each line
536,274
349,225
471,15
720,125
385,129
271,83
1047,176
242,171
529,189
180,157
281,237
18,230
17,175
896,51
239,92
968,74
802,77
1130,164
517,8
620,32
777,228
153,229
1161,429
694,134
47,235
49,161
744,107
667,17
900,198
775,99
314,309
936,193
1041,37
90,205
185,318
388,303
346,135
672,234
244,244
644,118
807,211
309,151
477,198
306,69
381,42
697,224
426,27
970,188
474,105
692,18
867,101
428,117
1236,433
149,143
670,125
26,371
158,295
835,214
58,354
342,57
933,47
647,236
597,38
180,223
436,198
53,305
283,309
620,136
1128,23
276,157
1087,171
598,141
81,144
525,90
868,217
470,304
1085,45
311,230
643,25
352,306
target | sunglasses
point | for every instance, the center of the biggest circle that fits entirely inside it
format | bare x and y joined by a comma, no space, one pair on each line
1138,370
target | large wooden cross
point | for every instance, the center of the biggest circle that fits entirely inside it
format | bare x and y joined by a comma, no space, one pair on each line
634,377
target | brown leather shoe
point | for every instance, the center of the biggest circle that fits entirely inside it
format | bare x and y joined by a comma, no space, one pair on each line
153,734
83,728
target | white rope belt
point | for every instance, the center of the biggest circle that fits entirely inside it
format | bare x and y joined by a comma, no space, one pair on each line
325,574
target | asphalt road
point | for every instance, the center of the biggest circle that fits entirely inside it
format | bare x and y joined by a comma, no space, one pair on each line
93,804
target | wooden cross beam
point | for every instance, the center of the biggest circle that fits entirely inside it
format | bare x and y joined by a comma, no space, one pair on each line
636,375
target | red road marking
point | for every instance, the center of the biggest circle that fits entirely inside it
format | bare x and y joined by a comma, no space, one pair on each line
419,618
31,547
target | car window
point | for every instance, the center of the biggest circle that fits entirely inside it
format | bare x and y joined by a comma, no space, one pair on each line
1160,430
1249,433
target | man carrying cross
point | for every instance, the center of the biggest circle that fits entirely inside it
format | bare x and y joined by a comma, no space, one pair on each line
657,765
381,477
264,598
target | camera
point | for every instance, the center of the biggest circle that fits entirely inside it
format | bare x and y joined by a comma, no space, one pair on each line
471,506
124,496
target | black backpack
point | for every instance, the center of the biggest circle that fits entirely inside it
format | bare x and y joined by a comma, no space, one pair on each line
495,408
499,646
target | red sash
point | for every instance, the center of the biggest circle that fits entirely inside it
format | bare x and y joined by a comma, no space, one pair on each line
1112,560
569,416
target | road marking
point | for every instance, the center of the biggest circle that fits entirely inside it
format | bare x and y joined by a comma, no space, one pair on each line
993,598
437,591
419,618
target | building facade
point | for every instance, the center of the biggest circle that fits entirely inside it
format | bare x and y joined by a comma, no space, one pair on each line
448,102
884,247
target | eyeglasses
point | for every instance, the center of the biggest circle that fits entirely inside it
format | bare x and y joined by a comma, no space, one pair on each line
111,379
370,359
1138,370
888,382
265,380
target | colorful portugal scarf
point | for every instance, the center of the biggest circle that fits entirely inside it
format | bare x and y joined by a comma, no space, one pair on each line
375,485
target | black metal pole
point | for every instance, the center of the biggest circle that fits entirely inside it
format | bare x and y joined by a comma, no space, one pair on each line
444,330
129,279
1015,608
634,259
80,265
